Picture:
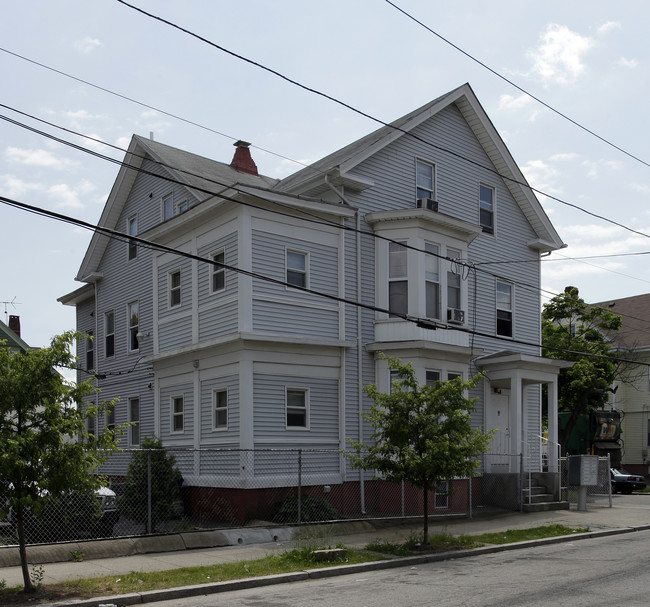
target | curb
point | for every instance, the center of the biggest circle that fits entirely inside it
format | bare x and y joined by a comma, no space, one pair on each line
141,598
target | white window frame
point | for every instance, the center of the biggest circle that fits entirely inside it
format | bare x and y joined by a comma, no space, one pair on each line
395,249
451,375
132,230
109,332
429,379
431,260
90,351
289,270
421,189
217,271
168,206
174,290
183,207
174,414
453,271
134,428
487,207
304,407
110,418
216,409
503,307
133,329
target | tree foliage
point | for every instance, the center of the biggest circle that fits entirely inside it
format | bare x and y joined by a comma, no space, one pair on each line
151,469
421,434
45,450
575,331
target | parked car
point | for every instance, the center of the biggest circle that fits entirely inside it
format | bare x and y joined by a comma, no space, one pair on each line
624,482
72,515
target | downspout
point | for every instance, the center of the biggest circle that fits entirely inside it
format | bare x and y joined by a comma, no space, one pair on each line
362,490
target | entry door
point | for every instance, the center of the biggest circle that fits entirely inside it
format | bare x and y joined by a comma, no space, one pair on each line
499,457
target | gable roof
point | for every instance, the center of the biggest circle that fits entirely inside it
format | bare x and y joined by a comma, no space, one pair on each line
635,315
338,167
203,177
12,340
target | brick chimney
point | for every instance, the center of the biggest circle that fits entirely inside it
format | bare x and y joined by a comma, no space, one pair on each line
14,324
242,160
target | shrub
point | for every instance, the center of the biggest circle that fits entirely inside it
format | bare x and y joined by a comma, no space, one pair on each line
311,509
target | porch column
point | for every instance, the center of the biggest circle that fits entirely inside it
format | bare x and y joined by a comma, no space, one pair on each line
552,427
517,418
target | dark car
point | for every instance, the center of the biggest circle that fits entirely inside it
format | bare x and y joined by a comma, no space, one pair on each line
624,482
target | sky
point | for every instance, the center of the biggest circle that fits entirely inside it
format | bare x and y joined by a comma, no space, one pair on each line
588,61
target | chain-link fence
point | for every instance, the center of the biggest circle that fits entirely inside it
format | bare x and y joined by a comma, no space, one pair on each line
600,493
172,490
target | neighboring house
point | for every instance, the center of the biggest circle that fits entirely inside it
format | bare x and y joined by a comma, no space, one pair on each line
10,335
406,220
632,396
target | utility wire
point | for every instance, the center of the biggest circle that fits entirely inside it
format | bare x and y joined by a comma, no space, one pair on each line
425,323
378,120
519,88
146,105
307,216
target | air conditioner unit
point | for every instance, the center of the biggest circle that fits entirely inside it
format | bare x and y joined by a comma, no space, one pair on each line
455,316
427,203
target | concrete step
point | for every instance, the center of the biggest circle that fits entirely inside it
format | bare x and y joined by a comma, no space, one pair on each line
545,506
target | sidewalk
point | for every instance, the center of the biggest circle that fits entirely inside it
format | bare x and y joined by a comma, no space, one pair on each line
628,513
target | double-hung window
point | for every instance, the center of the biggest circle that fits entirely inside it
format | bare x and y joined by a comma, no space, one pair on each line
178,413
296,263
218,276
109,333
110,419
134,420
174,288
168,206
432,377
220,402
134,326
486,208
133,231
453,281
296,408
90,351
424,180
432,280
504,309
398,301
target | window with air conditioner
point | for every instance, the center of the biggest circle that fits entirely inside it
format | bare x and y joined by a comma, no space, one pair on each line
425,181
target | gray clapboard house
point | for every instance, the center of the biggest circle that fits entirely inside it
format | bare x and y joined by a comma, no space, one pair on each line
405,221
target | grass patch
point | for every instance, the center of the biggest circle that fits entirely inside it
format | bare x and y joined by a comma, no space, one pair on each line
286,562
443,542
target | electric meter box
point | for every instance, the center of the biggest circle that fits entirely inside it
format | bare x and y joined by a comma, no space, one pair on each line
583,470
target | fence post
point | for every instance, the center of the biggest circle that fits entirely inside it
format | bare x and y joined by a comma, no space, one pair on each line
521,481
469,493
149,491
299,483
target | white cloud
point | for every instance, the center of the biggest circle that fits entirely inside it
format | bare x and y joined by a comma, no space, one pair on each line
84,115
628,62
558,58
41,158
596,167
14,187
70,197
540,175
87,45
510,102
564,156
609,26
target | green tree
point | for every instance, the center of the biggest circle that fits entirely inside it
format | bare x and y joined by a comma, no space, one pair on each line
152,472
45,451
575,331
421,434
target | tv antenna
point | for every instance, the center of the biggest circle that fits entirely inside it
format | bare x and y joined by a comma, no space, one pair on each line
11,303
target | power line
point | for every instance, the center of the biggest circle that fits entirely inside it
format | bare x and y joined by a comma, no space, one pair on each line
146,105
378,120
519,88
425,323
